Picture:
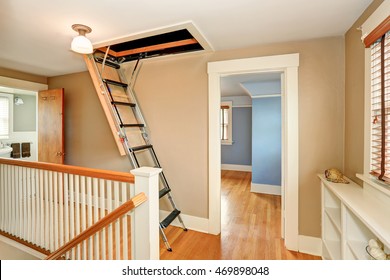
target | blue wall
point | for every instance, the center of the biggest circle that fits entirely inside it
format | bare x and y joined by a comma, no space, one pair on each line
240,152
266,141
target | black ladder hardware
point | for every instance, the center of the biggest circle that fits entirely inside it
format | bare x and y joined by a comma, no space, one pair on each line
109,63
123,103
132,129
115,83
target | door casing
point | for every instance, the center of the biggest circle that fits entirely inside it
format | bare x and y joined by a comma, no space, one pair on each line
288,65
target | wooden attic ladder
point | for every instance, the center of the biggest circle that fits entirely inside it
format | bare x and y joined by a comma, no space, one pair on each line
127,123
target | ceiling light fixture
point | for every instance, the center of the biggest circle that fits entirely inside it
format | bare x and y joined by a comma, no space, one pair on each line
80,43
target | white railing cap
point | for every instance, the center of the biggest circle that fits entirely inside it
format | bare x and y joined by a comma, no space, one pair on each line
146,171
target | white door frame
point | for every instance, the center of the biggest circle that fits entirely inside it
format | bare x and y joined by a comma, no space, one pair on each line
288,65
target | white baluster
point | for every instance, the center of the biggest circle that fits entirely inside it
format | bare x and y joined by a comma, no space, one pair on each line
33,207
102,214
96,215
83,216
125,248
47,209
51,210
12,180
61,208
109,228
24,202
90,221
42,209
66,209
117,223
77,212
71,212
16,209
55,204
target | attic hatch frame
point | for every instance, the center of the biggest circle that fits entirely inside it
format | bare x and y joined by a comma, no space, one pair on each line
176,39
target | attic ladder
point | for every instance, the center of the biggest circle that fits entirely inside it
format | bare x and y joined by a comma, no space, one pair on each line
117,95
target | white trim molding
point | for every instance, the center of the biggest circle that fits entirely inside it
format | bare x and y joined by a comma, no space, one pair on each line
191,222
22,247
310,245
267,96
287,64
236,167
266,189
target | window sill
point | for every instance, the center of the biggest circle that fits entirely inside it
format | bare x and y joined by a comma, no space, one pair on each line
375,183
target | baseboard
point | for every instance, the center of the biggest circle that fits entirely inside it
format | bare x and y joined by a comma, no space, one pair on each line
22,247
191,222
310,245
266,189
236,167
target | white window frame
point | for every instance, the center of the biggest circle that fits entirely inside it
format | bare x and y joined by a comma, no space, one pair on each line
229,141
10,115
371,23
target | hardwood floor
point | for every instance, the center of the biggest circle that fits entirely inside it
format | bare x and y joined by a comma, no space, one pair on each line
250,228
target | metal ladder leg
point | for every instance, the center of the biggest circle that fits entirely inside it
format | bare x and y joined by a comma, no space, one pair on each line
164,238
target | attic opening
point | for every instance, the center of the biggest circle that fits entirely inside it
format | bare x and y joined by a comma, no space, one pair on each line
168,43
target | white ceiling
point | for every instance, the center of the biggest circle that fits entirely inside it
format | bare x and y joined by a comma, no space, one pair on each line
236,85
35,35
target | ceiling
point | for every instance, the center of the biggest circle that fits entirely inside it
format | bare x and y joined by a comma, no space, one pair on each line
36,35
240,84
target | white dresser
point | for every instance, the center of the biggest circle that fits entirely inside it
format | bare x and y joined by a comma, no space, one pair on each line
351,216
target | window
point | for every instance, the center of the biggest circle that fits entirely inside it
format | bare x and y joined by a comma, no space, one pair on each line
380,105
4,117
226,123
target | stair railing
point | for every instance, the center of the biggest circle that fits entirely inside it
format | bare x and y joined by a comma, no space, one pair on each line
98,226
44,206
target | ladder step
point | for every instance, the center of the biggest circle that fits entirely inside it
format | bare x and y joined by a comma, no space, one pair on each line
115,83
169,219
139,148
132,125
163,192
108,62
123,103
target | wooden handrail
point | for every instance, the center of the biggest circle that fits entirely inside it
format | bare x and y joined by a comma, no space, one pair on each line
99,225
76,170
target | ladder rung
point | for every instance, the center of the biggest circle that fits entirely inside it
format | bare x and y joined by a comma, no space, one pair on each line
107,62
163,192
139,148
133,125
169,219
115,83
123,103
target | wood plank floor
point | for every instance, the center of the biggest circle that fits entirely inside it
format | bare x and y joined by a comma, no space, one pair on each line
250,228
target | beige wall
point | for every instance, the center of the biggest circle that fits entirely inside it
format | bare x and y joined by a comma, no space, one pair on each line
173,95
175,92
354,97
88,139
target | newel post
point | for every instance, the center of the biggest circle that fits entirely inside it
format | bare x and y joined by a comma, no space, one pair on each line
146,216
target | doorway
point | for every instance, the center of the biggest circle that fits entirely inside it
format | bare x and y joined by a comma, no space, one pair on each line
23,121
288,66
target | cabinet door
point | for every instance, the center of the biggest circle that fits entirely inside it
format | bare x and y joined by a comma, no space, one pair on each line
51,126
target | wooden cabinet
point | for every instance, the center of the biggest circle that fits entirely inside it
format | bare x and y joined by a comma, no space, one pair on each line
351,216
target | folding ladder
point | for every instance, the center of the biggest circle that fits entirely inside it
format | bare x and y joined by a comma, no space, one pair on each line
131,125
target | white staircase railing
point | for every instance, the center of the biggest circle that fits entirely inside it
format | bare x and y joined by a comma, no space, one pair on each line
47,205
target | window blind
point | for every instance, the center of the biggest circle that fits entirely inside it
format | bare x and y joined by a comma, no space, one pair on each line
4,117
380,107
